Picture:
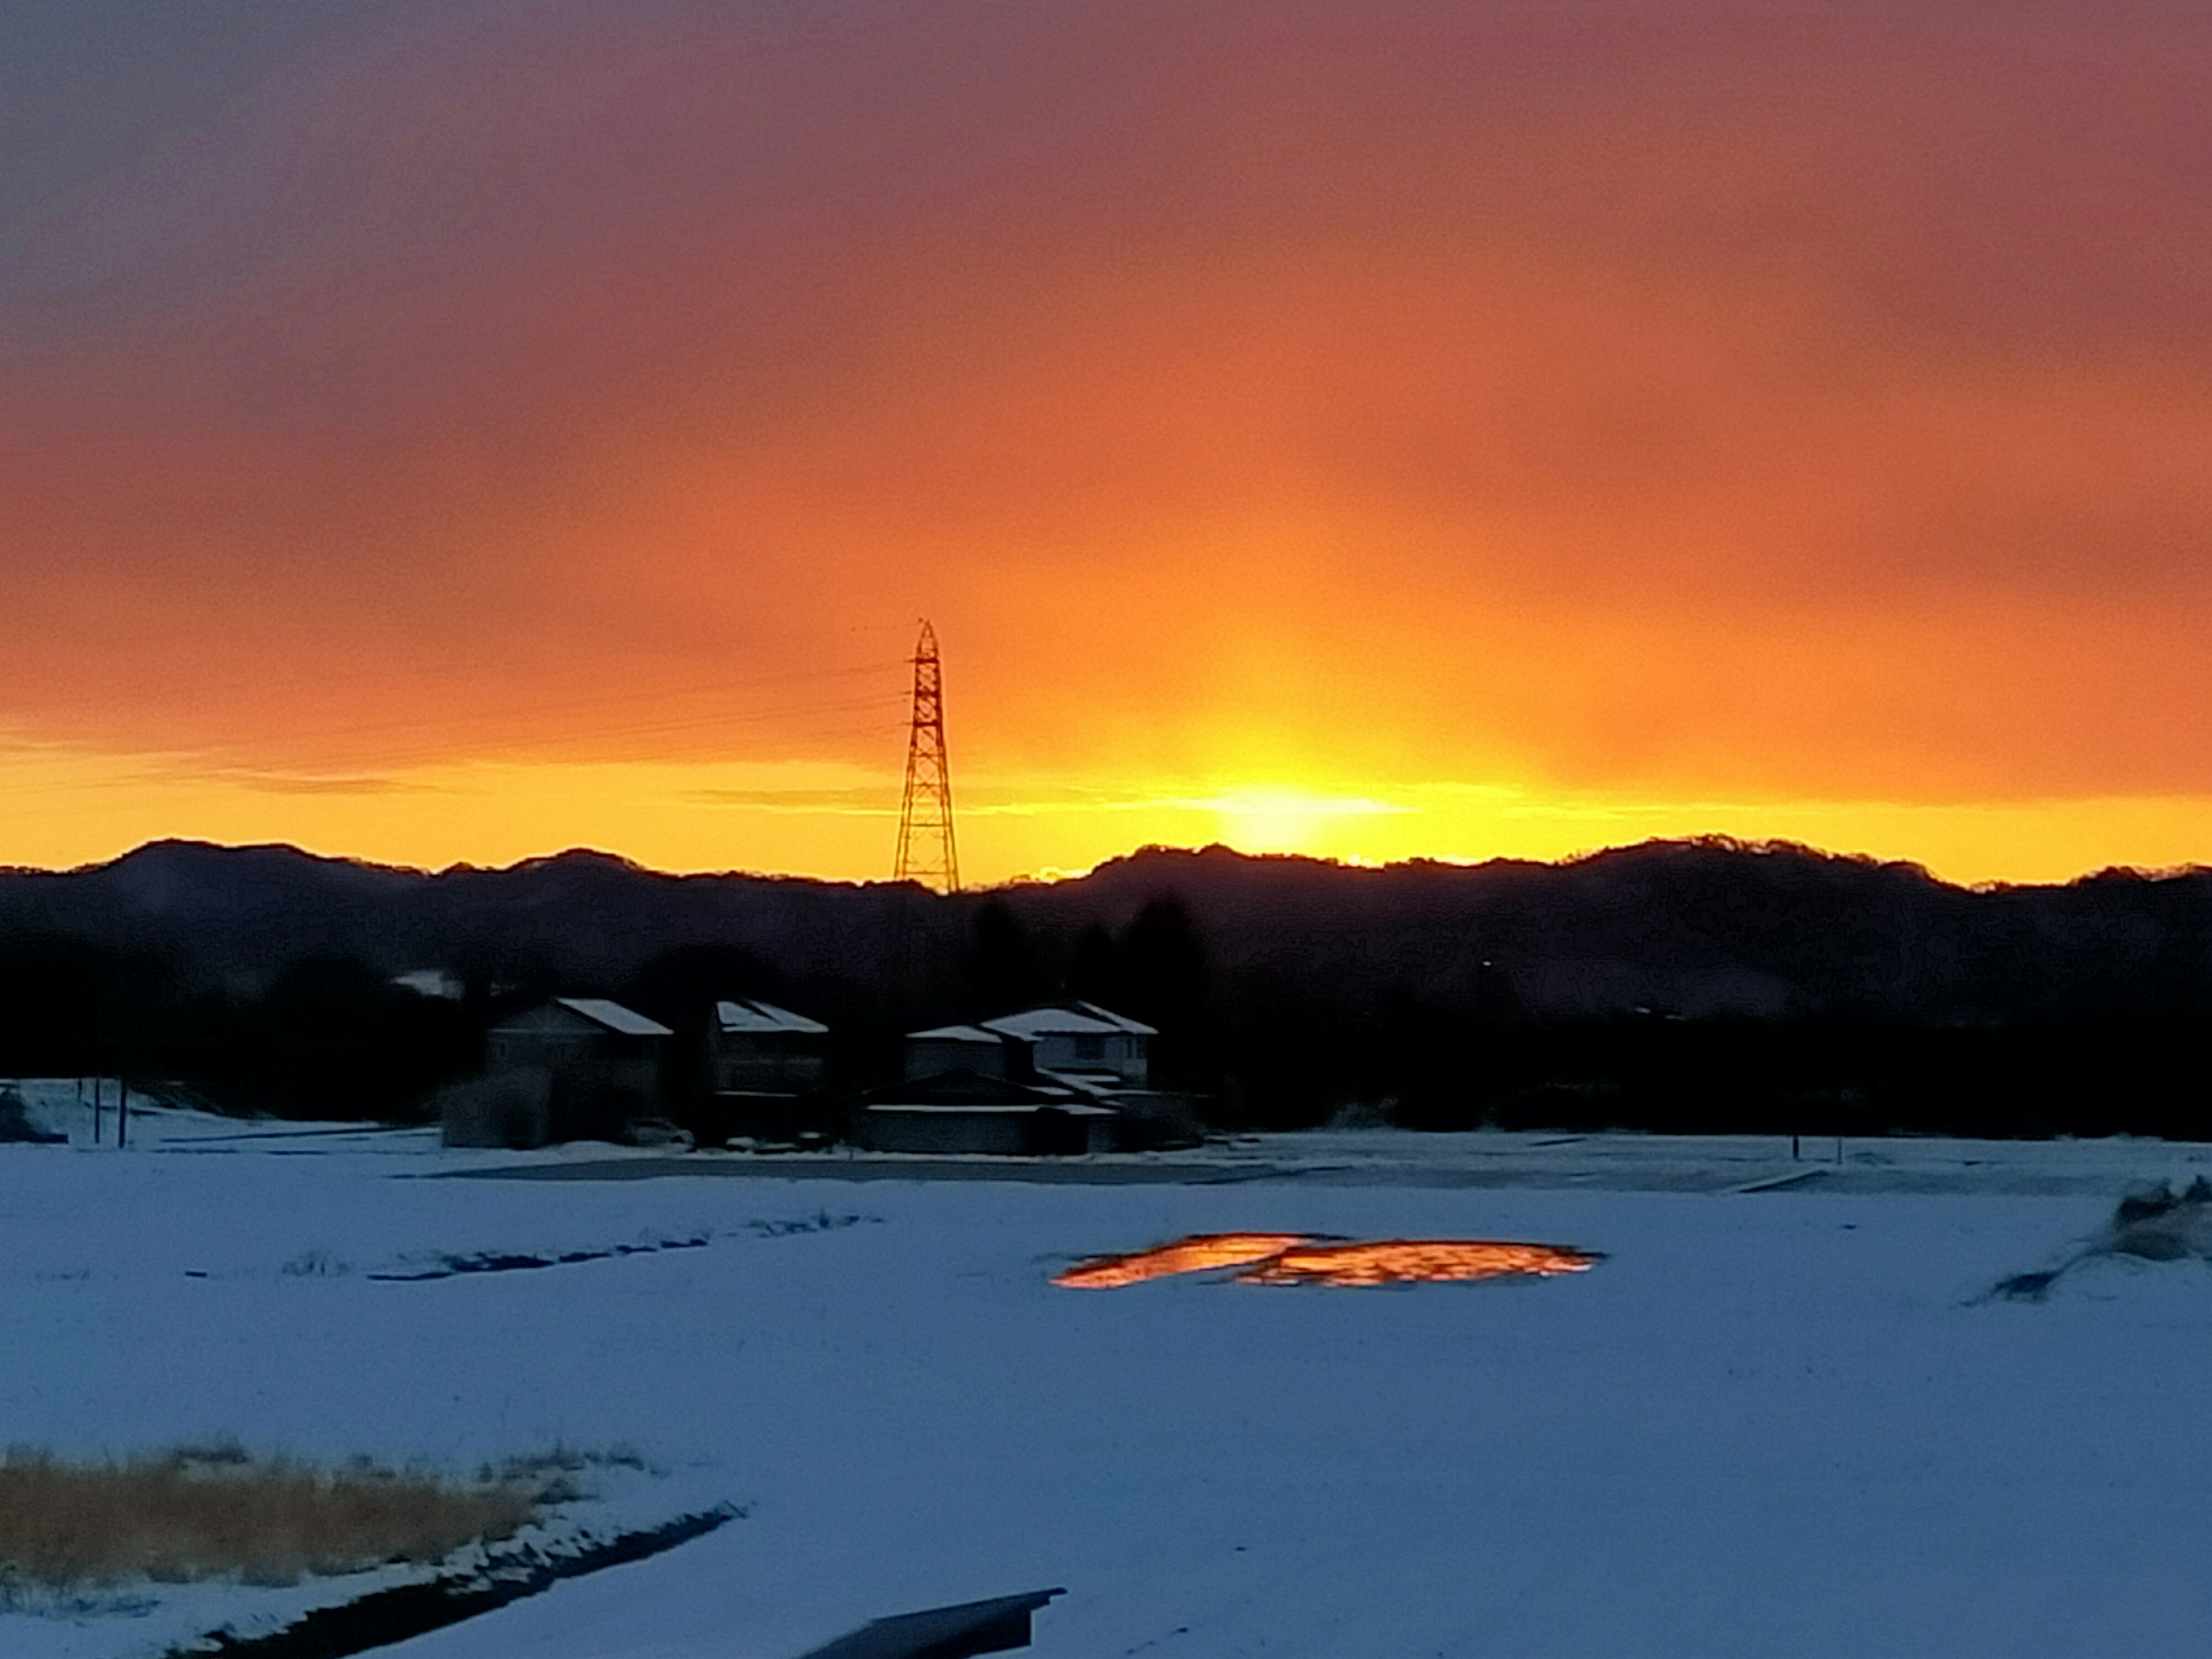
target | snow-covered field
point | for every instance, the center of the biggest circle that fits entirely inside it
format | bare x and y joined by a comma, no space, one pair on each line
1771,1423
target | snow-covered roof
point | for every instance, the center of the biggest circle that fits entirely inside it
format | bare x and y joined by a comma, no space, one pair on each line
612,1015
1083,1020
750,1014
953,1034
1133,1027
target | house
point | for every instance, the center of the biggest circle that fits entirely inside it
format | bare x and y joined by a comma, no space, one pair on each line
1081,1039
1072,1078
964,1111
574,1068
758,1048
962,1048
765,1072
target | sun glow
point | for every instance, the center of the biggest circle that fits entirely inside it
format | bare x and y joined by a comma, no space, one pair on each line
838,819
1273,819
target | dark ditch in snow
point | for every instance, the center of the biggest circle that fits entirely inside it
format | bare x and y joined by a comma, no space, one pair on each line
403,1611
2151,1224
451,1266
454,1267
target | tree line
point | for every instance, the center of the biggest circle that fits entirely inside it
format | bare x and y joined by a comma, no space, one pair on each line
328,1035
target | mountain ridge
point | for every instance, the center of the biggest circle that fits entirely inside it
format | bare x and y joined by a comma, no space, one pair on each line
1702,928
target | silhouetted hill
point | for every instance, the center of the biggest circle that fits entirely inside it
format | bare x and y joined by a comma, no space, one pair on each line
1695,929
1284,984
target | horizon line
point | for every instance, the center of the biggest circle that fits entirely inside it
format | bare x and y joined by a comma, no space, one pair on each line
1719,841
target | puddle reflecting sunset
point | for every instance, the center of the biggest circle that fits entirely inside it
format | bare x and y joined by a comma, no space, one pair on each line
1200,1253
1415,1261
1303,1259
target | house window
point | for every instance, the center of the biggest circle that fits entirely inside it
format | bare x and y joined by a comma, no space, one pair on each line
1091,1048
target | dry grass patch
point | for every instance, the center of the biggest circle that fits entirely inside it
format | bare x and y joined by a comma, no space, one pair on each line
186,1515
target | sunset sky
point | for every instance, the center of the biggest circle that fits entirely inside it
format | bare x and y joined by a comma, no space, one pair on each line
460,430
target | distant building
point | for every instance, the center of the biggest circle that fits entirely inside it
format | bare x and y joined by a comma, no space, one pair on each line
764,1072
756,1047
1072,1078
575,1068
1081,1039
962,1049
969,1112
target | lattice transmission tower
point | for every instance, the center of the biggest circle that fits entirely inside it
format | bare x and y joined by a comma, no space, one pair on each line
926,852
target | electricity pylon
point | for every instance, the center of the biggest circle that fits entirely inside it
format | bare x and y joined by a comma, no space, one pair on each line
925,844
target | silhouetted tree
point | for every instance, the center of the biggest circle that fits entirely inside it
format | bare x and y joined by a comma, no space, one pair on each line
332,1037
1162,980
504,975
1002,967
70,1007
1094,970
1163,966
678,985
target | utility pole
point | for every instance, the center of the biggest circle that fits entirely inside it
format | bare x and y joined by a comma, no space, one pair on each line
926,852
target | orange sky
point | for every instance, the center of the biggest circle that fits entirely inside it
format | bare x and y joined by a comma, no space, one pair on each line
462,430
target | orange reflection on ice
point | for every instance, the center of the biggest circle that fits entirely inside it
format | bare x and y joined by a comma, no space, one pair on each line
1414,1262
1194,1254
1303,1258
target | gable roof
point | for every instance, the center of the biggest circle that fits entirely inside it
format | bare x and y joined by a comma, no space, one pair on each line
1082,1019
1133,1027
751,1014
614,1016
955,1034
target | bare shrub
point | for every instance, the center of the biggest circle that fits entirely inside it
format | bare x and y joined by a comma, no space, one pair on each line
216,1512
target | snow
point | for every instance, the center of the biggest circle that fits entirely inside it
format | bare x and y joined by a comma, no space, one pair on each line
614,1016
750,1014
1121,1022
1054,1022
1779,1421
